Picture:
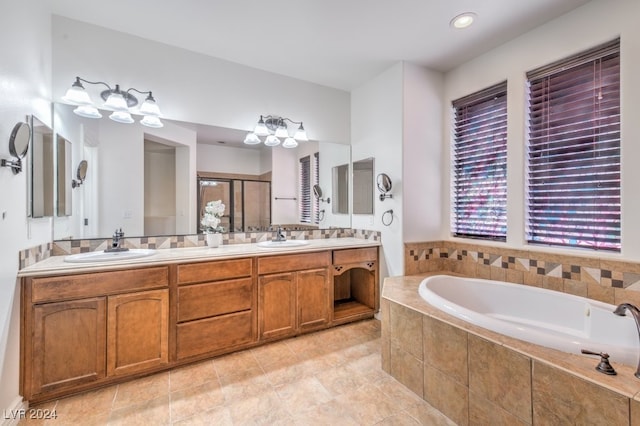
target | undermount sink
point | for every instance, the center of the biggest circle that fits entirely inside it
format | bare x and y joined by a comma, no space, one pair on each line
282,244
102,256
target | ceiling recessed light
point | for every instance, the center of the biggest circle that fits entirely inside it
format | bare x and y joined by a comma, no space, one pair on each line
463,20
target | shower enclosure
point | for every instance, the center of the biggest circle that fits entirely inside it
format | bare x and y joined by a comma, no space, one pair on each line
247,201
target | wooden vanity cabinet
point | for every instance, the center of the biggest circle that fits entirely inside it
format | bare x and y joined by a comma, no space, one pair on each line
68,345
216,307
82,329
137,331
294,294
355,284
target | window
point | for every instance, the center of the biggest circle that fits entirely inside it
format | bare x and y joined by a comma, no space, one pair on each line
479,207
573,182
309,207
316,181
304,205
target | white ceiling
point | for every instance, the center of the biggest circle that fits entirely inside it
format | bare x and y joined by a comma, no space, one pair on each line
336,43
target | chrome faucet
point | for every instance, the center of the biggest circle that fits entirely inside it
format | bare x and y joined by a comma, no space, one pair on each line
116,241
279,235
635,313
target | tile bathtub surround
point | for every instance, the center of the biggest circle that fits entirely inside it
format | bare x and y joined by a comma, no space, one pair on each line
605,280
495,379
66,247
328,377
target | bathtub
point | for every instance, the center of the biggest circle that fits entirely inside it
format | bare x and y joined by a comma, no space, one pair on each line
548,318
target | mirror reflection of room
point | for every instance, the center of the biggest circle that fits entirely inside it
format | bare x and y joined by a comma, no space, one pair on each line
247,202
42,169
145,180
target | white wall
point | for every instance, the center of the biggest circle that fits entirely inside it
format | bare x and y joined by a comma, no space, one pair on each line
377,131
284,185
596,22
397,119
193,87
25,81
332,155
228,159
422,168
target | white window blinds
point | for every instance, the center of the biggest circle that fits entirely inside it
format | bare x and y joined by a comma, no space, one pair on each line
479,207
573,180
304,203
316,181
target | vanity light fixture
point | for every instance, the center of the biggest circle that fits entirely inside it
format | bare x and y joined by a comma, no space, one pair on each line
274,128
464,20
119,101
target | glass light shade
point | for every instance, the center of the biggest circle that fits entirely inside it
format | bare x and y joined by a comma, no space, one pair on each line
151,121
272,141
301,134
116,102
261,129
281,132
76,95
289,143
87,111
150,107
121,117
252,139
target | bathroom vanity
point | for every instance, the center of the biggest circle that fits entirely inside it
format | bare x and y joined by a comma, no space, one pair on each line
85,326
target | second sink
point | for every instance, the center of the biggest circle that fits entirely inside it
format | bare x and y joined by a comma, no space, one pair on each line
282,244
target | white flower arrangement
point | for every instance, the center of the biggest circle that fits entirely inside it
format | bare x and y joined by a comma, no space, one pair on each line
211,219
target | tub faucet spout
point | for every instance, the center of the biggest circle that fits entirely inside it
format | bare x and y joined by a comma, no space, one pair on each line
635,313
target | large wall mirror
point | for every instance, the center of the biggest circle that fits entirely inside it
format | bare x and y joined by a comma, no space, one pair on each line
146,180
41,171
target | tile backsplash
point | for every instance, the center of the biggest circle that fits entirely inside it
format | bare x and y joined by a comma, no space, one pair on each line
606,280
65,247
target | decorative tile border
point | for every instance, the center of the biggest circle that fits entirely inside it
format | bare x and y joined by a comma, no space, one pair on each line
34,254
521,266
65,247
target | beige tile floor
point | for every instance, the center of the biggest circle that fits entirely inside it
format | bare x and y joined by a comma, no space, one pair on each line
331,377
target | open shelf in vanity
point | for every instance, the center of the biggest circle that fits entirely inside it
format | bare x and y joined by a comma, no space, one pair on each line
355,278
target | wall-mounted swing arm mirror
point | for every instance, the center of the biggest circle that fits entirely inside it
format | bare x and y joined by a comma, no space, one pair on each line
81,174
317,192
18,146
383,181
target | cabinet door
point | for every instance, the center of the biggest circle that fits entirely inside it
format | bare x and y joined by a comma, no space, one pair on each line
68,344
137,331
277,314
313,298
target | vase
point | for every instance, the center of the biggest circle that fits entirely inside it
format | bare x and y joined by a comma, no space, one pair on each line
214,239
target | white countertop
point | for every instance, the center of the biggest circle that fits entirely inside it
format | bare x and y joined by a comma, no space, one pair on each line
55,265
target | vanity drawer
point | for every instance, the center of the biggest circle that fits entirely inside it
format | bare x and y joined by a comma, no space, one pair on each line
216,298
341,257
97,284
212,271
216,334
293,262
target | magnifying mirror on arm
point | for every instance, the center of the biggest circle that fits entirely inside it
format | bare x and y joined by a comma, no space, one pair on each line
18,146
